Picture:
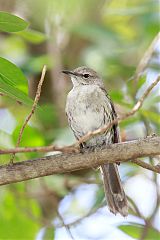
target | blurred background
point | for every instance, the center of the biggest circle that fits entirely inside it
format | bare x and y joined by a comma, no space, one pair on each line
111,37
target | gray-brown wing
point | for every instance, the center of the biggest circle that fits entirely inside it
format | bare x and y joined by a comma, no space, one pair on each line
113,116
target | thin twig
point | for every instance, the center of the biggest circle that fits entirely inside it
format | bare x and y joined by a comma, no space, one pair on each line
146,58
146,165
37,97
50,148
134,206
79,220
67,227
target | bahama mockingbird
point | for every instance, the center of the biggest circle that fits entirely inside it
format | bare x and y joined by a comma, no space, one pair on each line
89,107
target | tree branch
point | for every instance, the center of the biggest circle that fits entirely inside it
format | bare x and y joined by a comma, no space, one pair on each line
37,97
148,166
63,163
51,148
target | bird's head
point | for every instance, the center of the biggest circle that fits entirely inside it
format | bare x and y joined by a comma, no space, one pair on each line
84,76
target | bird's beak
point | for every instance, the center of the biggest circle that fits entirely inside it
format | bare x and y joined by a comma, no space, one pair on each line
68,72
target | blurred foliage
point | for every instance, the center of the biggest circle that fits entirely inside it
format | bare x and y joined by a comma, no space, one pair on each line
110,37
136,231
13,82
11,23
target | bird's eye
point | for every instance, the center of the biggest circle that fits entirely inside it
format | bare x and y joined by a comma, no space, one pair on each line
86,75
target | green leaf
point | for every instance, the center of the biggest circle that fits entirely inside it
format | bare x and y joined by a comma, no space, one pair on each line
129,121
33,36
141,81
135,231
37,138
49,233
153,116
14,93
132,230
13,75
13,83
117,96
99,198
11,23
35,64
48,117
13,218
132,87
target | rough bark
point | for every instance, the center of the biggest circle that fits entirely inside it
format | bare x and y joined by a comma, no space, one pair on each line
62,163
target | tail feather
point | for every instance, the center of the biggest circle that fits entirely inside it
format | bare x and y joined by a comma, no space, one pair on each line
115,195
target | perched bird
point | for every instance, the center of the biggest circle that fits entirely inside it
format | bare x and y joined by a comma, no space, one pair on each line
89,107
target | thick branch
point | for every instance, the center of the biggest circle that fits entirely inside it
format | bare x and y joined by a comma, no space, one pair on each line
63,163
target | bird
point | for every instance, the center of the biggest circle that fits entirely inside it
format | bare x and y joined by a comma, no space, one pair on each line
89,107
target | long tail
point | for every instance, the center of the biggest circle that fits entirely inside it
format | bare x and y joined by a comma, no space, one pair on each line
115,195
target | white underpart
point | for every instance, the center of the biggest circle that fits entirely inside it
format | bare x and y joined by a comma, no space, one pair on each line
86,107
